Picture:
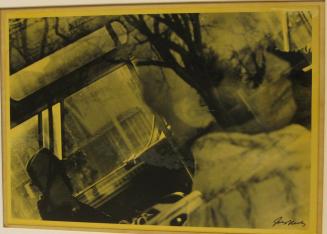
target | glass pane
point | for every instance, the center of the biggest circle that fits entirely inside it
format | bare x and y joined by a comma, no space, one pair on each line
104,124
24,144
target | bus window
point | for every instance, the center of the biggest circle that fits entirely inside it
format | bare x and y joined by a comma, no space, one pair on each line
104,124
24,144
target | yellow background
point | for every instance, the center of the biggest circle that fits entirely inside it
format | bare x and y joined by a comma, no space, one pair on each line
317,101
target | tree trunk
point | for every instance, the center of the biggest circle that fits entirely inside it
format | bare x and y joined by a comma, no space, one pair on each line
224,117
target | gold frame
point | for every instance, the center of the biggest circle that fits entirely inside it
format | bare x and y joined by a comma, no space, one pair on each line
317,107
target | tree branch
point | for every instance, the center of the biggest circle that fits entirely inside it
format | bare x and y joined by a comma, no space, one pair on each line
196,30
58,33
164,45
174,24
158,39
152,62
13,46
44,38
186,24
24,42
156,27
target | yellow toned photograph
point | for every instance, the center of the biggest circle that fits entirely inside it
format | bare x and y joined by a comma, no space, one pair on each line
194,117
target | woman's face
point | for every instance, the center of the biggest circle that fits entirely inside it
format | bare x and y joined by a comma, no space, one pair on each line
270,101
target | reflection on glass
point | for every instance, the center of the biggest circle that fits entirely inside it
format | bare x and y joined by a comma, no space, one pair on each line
104,124
24,144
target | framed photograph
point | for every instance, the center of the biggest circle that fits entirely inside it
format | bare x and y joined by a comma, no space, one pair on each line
189,117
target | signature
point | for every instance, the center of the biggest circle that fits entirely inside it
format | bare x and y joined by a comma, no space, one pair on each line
288,222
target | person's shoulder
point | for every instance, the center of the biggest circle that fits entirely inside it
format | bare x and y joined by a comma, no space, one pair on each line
43,207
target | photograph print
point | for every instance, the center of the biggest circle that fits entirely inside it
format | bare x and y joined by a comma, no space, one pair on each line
154,119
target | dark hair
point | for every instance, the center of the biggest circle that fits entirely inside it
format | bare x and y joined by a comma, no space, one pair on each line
43,167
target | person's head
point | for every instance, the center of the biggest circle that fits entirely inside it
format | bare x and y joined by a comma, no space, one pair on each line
43,168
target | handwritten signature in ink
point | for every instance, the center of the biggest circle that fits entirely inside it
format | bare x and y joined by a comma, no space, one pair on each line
280,220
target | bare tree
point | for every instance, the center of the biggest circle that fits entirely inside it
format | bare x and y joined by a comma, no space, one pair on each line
177,39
